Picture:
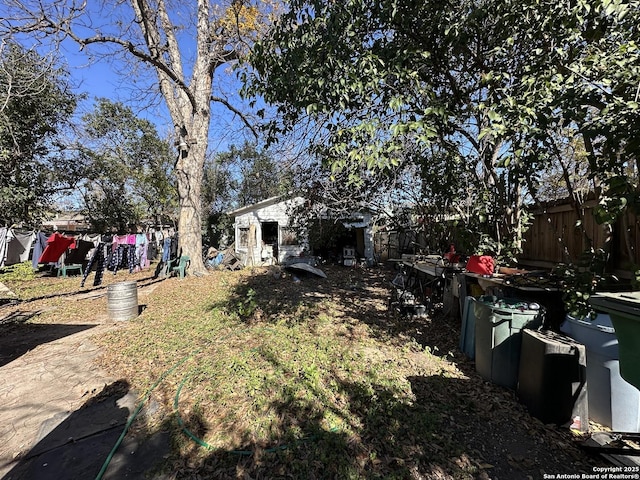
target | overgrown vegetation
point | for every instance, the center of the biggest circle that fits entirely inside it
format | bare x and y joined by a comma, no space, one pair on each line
499,104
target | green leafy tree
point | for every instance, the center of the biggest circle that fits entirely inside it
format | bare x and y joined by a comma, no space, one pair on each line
238,177
389,80
259,176
218,186
491,83
127,167
36,104
581,72
185,47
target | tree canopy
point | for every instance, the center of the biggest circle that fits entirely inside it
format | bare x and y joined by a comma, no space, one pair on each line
184,46
36,102
476,92
127,169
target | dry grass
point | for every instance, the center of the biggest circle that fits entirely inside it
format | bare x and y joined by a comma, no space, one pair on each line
270,378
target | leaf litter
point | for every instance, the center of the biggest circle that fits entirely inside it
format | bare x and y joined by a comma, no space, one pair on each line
311,379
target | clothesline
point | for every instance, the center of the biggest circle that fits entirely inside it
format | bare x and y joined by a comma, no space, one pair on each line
127,251
56,248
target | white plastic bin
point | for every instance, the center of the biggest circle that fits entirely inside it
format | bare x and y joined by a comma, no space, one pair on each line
613,402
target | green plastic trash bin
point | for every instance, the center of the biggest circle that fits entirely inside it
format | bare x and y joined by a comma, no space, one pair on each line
499,324
624,309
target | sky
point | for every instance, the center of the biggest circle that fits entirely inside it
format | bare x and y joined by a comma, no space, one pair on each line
112,79
101,79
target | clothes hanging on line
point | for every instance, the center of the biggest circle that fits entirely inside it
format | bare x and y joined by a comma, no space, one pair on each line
152,250
79,253
166,249
98,259
57,244
4,233
19,246
141,250
38,247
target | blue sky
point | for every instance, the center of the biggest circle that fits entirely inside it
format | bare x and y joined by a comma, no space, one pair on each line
101,81
109,79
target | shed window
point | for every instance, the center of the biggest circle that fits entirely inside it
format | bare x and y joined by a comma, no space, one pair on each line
243,237
288,236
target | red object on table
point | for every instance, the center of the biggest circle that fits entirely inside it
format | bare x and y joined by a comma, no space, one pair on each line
480,264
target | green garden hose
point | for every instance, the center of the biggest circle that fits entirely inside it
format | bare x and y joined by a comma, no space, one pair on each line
136,412
183,427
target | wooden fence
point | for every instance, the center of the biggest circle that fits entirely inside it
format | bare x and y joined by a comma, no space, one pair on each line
552,238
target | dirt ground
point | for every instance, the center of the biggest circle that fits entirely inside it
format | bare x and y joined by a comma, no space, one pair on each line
53,412
48,372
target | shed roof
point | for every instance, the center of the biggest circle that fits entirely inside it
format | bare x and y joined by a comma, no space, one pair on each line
256,206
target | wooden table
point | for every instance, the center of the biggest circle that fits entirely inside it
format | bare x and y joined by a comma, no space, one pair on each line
501,280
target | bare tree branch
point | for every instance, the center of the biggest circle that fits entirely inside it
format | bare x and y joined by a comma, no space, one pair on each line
241,115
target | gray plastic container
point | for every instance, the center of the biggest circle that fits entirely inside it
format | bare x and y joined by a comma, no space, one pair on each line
498,337
613,401
467,343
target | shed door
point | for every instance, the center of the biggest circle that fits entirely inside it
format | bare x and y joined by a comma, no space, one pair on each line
270,236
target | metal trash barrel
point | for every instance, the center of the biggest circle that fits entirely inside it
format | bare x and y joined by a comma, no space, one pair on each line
122,300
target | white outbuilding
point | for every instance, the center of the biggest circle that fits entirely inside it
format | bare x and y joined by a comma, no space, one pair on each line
263,234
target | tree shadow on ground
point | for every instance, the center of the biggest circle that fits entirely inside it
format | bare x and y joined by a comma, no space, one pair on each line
439,427
79,444
360,296
479,427
382,436
17,337
447,430
278,293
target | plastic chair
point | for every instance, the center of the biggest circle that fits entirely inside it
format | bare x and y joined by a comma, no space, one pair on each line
182,266
168,267
64,269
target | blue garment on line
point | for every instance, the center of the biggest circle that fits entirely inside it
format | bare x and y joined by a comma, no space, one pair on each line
166,249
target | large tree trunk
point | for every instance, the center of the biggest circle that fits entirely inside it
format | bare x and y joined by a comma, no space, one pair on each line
191,113
192,147
156,44
189,176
